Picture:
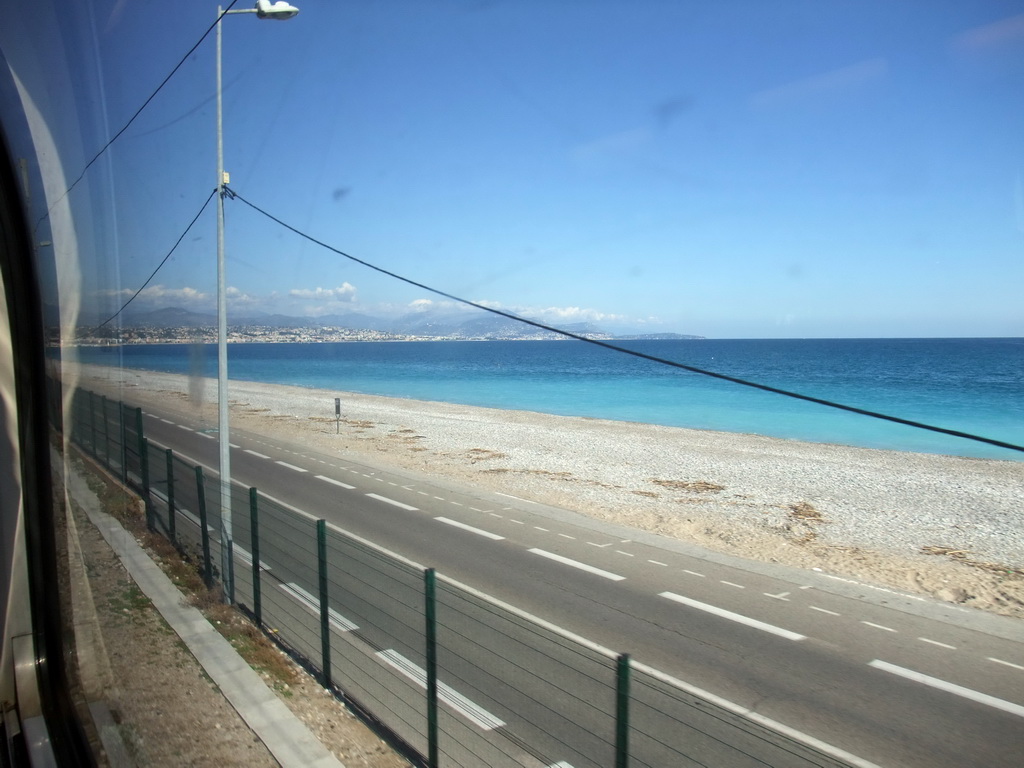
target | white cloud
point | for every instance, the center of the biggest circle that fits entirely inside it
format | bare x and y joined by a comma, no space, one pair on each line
822,84
343,293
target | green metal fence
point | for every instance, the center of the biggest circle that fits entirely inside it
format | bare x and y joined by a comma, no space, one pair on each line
458,678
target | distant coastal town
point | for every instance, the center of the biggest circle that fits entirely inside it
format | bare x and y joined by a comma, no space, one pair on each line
320,334
177,326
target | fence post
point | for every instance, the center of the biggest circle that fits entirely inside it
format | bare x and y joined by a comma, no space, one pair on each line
106,433
254,545
147,496
325,608
204,532
139,435
171,515
622,711
92,422
124,442
430,612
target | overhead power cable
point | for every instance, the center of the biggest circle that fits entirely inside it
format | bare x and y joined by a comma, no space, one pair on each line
138,112
158,266
635,353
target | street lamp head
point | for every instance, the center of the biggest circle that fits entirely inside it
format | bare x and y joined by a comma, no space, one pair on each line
279,10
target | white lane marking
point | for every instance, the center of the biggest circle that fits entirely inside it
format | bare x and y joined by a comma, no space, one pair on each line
627,554
694,573
187,429
510,496
780,596
392,502
478,510
257,455
739,618
655,562
577,564
517,522
878,626
775,725
470,528
236,447
291,466
312,605
1007,663
472,712
165,421
542,529
495,514
338,483
941,645
246,556
567,536
824,610
730,584
560,764
456,504
207,436
600,546
943,685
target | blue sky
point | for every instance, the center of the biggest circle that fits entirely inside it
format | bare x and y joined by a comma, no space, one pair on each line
733,169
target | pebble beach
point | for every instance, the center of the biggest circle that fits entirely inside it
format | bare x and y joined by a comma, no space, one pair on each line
947,526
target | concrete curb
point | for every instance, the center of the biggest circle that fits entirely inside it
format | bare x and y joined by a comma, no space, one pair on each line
287,738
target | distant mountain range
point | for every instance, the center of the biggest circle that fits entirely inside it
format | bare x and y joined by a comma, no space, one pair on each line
455,325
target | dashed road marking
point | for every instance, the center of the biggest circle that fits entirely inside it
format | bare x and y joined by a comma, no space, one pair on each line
824,610
781,596
945,685
941,645
338,483
655,562
577,564
694,573
312,605
393,503
472,712
470,528
257,455
878,626
731,584
737,617
627,554
517,498
291,466
1007,663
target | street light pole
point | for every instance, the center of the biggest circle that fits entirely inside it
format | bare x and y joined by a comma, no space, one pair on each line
264,10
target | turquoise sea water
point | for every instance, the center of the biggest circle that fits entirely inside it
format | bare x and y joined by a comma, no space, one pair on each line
969,385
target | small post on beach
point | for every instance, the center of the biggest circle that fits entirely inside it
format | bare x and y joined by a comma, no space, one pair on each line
337,415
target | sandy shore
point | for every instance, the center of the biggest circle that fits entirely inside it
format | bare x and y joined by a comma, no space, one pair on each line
946,526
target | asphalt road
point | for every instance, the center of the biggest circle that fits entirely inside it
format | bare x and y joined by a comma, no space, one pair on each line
874,675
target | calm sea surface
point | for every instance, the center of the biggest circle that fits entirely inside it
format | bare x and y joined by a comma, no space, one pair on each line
969,385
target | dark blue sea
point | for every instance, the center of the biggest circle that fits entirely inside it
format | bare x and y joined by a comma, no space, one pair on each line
969,385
